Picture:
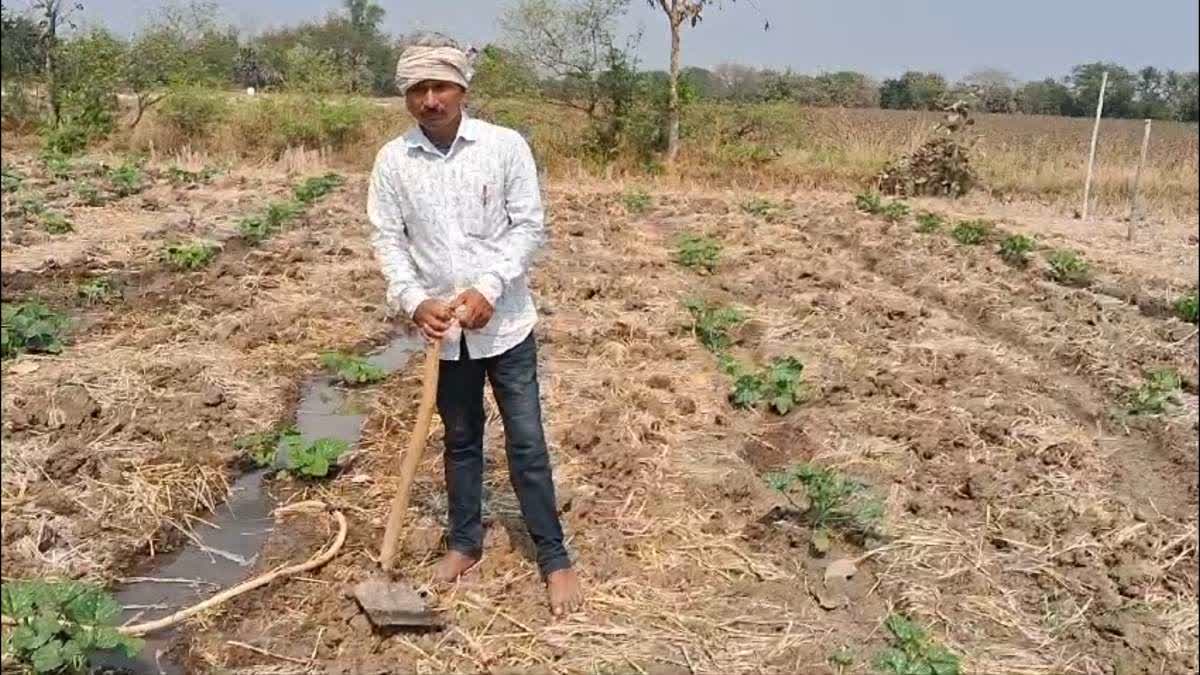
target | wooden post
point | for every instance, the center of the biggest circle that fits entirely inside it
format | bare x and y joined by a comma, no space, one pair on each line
1087,184
1137,178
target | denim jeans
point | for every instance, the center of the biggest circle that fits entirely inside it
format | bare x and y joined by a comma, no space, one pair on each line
513,376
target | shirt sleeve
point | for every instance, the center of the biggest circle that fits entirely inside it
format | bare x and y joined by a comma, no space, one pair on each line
390,240
514,248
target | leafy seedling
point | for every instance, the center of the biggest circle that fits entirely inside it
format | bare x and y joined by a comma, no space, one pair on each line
261,447
1015,249
1156,394
314,188
1067,268
762,208
312,460
180,176
32,207
10,180
190,256
780,384
254,229
698,252
57,165
929,222
711,323
913,652
89,194
96,290
281,213
59,624
748,389
30,327
56,223
1187,308
126,180
834,500
894,211
971,232
352,369
636,201
868,202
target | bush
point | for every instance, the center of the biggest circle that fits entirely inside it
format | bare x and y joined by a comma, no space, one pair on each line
1015,249
30,327
193,112
698,252
67,139
190,256
1066,267
1187,308
276,123
971,232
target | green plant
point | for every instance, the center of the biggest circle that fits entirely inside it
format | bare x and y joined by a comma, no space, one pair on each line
1159,391
929,222
352,369
32,206
697,251
30,327
126,179
843,658
89,194
1015,249
971,232
57,164
193,111
316,187
834,500
95,290
1066,267
762,208
1187,308
190,256
181,176
895,211
868,202
312,459
913,652
68,139
56,223
262,446
254,229
59,623
711,323
636,201
10,180
280,213
780,384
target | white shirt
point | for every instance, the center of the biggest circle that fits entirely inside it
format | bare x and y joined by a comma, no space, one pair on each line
470,218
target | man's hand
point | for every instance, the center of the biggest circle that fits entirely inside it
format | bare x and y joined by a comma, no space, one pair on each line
472,309
434,317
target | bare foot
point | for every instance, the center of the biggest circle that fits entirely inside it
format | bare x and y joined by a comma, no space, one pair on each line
565,593
453,565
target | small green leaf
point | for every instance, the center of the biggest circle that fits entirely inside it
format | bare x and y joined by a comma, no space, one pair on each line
48,658
104,637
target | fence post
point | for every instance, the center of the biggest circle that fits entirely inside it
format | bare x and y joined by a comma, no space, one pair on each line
1137,178
1087,184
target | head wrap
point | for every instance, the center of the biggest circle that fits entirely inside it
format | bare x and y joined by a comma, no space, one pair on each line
418,63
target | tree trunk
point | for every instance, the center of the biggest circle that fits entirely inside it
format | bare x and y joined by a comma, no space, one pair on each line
52,62
673,112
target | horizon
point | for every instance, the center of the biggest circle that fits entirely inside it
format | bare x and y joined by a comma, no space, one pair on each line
929,35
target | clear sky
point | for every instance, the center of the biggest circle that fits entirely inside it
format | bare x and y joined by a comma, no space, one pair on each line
1029,38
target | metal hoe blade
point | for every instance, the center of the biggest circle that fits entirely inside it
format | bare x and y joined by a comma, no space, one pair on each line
390,604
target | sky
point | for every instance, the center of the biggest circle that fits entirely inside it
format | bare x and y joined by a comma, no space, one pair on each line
1031,39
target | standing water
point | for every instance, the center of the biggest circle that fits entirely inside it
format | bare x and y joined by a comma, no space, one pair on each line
224,549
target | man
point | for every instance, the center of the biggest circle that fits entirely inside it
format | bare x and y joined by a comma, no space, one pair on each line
458,217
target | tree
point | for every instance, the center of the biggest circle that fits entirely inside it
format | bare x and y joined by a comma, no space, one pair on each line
1047,97
995,89
847,89
502,72
1183,95
737,82
1085,81
913,91
21,46
573,44
55,14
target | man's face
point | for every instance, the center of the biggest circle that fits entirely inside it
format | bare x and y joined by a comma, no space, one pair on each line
436,104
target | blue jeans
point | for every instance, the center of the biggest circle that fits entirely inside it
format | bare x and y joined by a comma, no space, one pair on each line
513,375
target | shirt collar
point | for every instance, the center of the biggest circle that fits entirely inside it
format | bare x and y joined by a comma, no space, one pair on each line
468,130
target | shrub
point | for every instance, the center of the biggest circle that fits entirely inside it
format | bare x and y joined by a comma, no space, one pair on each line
636,201
834,499
1153,397
68,139
193,112
30,327
316,187
1015,249
190,256
711,323
928,222
351,369
1066,267
276,123
913,652
58,624
697,251
56,223
894,211
971,232
126,179
868,202
1187,308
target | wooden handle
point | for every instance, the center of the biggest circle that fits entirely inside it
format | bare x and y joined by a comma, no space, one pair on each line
410,460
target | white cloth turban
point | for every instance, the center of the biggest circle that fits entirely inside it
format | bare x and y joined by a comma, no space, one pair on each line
419,63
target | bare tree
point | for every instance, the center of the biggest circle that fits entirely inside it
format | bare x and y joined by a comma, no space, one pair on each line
678,12
55,14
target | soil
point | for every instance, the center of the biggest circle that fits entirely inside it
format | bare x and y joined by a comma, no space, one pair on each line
1030,523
